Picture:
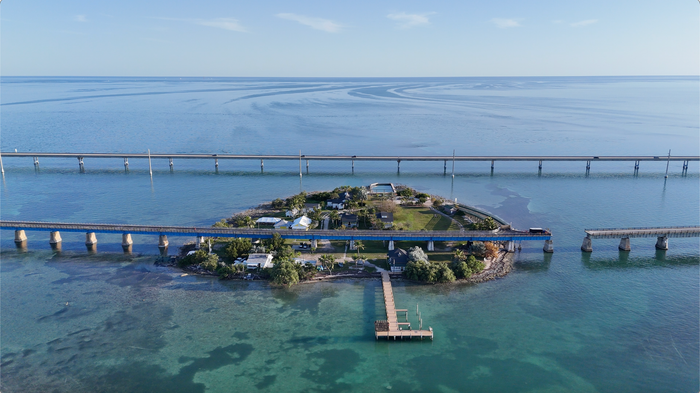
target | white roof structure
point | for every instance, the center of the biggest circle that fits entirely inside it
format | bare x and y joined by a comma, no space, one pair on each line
268,220
282,223
302,222
259,260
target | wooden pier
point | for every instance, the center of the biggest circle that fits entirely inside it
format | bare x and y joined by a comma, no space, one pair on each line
392,327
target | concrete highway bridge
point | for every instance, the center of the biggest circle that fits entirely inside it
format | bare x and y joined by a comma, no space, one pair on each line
624,234
163,232
262,157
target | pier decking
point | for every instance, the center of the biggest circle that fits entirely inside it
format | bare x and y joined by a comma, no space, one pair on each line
391,327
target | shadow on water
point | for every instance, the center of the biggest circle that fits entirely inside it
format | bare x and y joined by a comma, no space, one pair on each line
533,263
624,261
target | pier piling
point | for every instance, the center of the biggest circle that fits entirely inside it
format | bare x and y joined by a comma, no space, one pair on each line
126,164
625,244
548,246
587,245
20,236
662,243
170,162
127,243
540,165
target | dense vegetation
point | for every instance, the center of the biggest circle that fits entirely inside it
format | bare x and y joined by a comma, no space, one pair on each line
419,268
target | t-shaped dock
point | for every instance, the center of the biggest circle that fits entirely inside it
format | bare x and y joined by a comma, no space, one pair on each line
391,327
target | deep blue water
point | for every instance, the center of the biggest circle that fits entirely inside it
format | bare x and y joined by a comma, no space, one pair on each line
605,322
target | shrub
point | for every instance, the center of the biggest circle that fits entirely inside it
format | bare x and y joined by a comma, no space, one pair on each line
285,273
193,259
461,269
275,243
491,250
277,204
417,254
475,265
210,263
221,224
238,248
478,249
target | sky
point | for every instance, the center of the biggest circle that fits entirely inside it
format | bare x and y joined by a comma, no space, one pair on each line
356,38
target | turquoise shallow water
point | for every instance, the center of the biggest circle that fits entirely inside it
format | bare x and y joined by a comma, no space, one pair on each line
604,322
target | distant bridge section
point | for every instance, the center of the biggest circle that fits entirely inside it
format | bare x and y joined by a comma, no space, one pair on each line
624,234
353,158
163,231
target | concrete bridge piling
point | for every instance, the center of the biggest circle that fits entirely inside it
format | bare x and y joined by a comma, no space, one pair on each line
625,244
662,243
163,244
587,245
127,242
20,236
548,246
431,245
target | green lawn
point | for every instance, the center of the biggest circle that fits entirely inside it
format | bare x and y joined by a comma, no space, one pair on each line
419,218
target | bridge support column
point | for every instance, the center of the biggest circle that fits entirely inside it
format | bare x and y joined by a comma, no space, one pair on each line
662,243
216,163
55,239
307,167
431,245
163,244
510,246
20,236
353,166
91,241
398,165
588,165
636,165
80,164
36,162
540,165
262,166
170,162
127,243
548,246
445,169
198,242
587,245
314,243
352,245
391,245
625,244
492,164
126,164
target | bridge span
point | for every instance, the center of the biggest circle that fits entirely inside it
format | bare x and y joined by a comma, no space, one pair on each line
352,158
624,234
313,235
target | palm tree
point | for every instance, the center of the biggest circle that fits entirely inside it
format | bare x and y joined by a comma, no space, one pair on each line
335,216
459,255
359,246
328,261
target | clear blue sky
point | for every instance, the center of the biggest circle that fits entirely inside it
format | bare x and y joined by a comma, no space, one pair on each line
350,38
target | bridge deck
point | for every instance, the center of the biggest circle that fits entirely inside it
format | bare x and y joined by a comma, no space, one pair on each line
394,330
349,158
690,231
504,235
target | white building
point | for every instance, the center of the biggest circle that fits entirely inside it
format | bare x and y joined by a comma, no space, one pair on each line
301,223
282,224
268,220
262,261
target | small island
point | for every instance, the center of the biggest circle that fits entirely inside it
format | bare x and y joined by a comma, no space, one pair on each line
377,207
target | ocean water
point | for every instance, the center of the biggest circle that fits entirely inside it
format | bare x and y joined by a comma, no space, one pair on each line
608,321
